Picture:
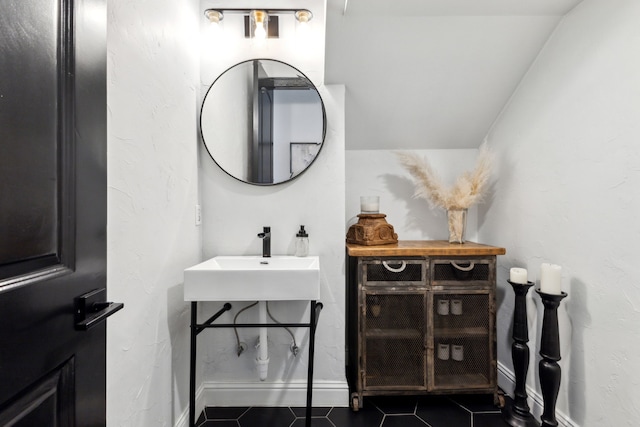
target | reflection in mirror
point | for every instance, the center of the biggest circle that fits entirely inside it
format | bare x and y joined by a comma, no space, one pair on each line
263,122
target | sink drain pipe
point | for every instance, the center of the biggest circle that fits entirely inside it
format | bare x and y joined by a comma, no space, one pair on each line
262,361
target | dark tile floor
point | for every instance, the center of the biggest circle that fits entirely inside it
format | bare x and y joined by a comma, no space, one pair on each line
398,411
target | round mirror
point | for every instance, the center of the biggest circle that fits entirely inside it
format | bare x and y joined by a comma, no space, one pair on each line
263,122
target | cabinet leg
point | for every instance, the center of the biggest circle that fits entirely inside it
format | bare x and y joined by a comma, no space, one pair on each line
356,402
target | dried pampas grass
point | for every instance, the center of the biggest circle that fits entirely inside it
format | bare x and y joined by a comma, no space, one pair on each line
469,188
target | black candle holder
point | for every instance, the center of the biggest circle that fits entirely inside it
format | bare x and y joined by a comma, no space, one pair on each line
517,413
549,369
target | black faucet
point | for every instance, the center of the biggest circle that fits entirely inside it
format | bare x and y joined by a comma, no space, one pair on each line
266,241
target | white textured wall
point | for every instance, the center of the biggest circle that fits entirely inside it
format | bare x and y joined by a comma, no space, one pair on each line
378,173
568,194
152,177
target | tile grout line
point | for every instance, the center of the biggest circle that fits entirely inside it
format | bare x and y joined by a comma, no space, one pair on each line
385,416
424,421
462,406
328,419
466,409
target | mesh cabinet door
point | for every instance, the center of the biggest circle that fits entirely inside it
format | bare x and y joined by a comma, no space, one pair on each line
463,341
393,340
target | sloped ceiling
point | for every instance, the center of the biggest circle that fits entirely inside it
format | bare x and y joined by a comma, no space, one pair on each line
431,73
454,7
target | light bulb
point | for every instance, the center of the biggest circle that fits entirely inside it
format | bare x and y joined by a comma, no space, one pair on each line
259,21
303,30
260,32
302,23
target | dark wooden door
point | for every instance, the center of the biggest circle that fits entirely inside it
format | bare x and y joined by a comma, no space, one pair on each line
52,212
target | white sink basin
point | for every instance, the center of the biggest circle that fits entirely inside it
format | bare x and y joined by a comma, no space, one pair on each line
253,278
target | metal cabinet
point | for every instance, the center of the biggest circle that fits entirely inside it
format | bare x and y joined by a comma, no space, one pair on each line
420,325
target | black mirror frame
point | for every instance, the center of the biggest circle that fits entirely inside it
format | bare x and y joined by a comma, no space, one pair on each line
324,124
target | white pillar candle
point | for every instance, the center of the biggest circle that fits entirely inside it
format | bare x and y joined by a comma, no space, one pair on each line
518,275
550,279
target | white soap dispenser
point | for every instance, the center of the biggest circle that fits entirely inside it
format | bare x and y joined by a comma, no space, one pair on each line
302,242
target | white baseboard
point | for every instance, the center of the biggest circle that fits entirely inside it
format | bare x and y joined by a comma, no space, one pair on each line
507,382
183,419
292,393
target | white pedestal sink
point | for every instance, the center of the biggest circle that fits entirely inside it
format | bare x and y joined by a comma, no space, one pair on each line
253,278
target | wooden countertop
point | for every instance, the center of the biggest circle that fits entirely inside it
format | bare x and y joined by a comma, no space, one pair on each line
424,248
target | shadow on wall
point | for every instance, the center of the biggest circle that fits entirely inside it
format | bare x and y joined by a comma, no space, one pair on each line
572,363
576,309
485,204
501,295
402,189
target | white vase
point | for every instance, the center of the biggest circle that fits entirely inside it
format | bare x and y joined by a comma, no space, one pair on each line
457,219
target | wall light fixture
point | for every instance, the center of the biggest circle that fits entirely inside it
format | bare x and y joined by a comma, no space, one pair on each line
214,16
259,23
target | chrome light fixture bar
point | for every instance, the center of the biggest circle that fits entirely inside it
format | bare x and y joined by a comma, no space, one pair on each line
257,20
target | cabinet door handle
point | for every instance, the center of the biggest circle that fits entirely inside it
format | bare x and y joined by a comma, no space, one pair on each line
400,269
468,268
